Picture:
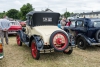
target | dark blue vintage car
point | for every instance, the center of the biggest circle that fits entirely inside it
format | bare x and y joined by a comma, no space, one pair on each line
85,32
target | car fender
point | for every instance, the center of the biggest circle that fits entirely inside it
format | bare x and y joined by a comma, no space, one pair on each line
20,33
39,41
81,35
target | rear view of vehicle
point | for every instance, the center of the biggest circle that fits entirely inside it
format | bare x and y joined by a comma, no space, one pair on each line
1,50
42,34
15,26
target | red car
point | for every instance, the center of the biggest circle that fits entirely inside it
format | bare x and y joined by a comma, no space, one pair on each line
23,23
15,26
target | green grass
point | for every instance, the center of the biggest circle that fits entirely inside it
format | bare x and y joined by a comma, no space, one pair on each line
20,56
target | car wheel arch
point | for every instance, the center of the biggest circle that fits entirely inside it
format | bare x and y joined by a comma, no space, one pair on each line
38,40
80,35
30,40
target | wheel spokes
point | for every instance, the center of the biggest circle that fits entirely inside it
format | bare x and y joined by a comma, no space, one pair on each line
60,40
18,39
34,49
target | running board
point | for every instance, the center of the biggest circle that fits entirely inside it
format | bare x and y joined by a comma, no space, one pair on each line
95,43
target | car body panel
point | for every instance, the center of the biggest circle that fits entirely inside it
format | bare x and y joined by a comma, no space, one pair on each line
44,31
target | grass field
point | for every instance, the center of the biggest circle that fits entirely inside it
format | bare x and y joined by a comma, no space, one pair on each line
16,56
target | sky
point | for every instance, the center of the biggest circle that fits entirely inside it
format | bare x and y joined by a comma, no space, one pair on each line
75,6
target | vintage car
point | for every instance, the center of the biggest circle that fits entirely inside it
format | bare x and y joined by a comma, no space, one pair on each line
42,34
85,32
1,50
15,26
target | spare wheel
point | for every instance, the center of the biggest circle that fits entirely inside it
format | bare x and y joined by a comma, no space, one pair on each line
59,40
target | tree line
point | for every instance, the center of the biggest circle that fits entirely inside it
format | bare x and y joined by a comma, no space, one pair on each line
21,14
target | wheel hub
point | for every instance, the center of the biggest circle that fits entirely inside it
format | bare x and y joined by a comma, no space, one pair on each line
80,43
59,41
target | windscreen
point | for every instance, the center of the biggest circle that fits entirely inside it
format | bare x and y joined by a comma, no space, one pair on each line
72,23
45,19
96,23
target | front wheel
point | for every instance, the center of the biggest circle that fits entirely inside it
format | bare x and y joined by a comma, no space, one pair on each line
81,42
18,40
35,53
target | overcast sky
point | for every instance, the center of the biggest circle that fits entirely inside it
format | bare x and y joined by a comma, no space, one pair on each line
56,5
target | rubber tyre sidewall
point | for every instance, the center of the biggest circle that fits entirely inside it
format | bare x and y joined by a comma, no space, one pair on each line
85,43
69,52
38,52
51,40
96,36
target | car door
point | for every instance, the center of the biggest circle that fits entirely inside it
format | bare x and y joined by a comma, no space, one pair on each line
79,26
93,27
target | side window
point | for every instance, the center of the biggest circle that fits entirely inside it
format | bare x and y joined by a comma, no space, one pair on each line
79,24
29,21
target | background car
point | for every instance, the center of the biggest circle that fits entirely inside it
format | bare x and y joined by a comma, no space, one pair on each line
15,26
86,32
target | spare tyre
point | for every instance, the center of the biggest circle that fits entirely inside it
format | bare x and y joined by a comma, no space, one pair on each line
97,36
59,40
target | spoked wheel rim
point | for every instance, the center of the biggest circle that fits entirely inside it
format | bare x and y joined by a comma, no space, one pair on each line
34,49
18,39
60,41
